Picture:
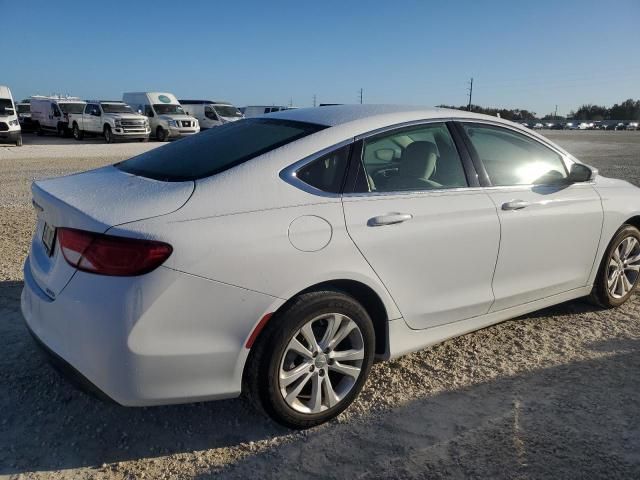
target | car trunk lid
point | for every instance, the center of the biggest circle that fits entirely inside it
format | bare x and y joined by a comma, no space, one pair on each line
95,201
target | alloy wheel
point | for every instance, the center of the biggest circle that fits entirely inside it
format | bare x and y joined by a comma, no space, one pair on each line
321,363
624,267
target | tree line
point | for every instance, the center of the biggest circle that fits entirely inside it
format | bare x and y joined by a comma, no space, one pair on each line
627,110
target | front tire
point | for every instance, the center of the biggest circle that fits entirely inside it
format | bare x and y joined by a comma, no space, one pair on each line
161,134
108,136
77,133
619,271
19,141
312,359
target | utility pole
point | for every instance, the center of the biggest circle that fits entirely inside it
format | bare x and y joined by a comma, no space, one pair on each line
314,99
291,102
470,93
555,115
361,92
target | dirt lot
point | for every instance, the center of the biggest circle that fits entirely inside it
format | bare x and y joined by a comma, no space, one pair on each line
550,395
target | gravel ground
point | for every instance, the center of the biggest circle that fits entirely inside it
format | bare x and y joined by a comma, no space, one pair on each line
553,394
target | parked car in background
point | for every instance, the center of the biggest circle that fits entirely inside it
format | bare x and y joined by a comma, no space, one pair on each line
115,120
167,118
24,116
155,280
538,126
257,110
525,124
620,126
51,114
10,130
556,126
632,125
211,113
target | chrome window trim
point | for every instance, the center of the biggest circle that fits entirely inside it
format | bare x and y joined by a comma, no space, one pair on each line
288,174
526,133
400,126
454,190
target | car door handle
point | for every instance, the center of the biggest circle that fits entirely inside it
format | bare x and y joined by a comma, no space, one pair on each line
389,219
515,205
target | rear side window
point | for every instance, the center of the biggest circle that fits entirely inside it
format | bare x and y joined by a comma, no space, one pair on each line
326,173
216,150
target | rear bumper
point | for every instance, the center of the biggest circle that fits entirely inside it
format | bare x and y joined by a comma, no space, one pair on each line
160,338
66,370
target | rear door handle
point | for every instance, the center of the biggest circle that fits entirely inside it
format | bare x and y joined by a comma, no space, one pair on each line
515,205
389,219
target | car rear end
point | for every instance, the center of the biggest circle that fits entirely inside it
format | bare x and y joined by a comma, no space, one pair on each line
87,293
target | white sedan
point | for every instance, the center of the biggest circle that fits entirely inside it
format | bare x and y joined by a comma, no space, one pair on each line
281,255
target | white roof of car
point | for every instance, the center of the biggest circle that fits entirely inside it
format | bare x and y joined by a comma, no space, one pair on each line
381,115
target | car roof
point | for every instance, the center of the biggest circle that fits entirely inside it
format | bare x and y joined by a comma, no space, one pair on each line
355,120
375,116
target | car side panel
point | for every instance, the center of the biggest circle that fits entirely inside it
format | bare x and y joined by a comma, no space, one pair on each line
278,252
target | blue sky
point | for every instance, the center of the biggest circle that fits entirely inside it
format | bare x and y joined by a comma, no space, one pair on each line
528,54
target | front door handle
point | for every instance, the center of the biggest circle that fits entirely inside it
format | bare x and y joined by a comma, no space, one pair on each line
389,219
515,205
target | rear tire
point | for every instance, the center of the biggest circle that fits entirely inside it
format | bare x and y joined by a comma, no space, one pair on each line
77,133
618,274
330,371
39,131
61,131
19,141
161,134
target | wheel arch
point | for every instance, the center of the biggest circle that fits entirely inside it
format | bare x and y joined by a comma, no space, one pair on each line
634,221
361,292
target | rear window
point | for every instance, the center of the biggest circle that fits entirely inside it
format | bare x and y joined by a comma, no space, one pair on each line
217,149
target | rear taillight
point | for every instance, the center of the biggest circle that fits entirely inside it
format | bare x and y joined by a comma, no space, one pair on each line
111,255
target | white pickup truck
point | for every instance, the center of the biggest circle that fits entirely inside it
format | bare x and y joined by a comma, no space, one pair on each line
114,120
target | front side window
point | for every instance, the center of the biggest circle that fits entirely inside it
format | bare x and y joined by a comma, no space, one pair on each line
417,158
327,172
23,108
511,158
210,113
217,149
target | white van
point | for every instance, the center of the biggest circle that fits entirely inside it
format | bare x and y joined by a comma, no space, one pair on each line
51,114
9,123
166,116
257,110
211,113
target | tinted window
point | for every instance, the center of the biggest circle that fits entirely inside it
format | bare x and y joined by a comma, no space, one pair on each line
511,158
88,109
419,158
326,173
216,150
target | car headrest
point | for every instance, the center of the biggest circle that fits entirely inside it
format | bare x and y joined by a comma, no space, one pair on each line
419,160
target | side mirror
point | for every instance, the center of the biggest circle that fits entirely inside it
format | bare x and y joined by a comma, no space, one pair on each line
581,173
